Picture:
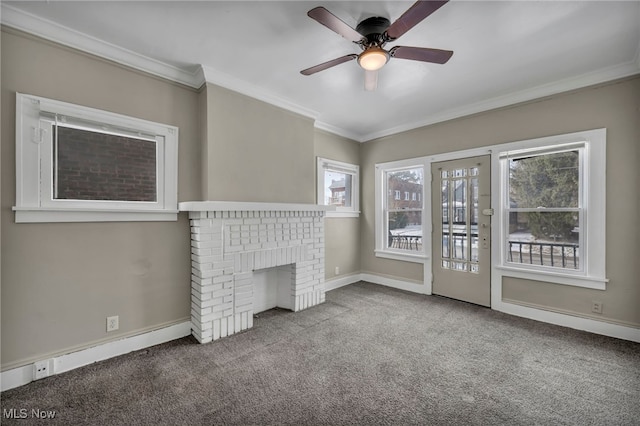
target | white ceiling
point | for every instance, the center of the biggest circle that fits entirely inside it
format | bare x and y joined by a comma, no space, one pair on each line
505,52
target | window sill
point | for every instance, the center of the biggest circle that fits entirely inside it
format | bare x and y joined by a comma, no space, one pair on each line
342,214
45,215
405,257
554,277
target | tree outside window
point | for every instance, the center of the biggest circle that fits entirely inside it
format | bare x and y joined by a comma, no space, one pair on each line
544,209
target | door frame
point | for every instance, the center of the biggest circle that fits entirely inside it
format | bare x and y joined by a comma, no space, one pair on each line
428,219
464,285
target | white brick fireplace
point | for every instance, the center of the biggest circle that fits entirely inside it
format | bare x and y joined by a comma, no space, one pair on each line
231,240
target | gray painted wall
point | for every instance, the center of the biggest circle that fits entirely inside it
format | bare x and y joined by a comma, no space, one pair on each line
61,280
256,151
615,106
342,235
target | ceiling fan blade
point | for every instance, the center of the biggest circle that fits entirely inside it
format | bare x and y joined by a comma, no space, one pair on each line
423,54
332,63
334,23
414,15
370,80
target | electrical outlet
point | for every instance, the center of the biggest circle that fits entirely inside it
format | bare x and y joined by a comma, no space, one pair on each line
42,369
596,307
337,270
113,323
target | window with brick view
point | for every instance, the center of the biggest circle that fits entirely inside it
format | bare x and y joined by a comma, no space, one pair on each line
80,164
89,165
337,185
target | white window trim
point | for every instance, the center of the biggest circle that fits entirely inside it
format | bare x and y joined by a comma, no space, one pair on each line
594,204
324,164
33,203
594,201
504,156
380,192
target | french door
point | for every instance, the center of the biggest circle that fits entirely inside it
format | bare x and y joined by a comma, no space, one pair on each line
461,202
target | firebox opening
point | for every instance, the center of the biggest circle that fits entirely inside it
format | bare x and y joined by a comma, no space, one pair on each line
272,288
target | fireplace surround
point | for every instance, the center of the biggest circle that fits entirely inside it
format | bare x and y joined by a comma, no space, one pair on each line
231,240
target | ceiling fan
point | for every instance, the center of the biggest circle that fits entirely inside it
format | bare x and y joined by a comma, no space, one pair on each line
373,33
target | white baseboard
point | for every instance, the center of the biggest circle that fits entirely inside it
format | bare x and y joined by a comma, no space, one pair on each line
334,283
579,323
22,375
394,283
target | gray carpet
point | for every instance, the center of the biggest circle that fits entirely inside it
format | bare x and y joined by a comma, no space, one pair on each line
370,355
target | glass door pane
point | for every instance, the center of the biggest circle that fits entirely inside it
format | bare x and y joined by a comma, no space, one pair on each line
460,219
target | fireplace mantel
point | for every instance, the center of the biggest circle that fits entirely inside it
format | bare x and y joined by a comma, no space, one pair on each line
208,206
230,240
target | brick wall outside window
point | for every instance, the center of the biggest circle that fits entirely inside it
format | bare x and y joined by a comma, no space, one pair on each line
99,166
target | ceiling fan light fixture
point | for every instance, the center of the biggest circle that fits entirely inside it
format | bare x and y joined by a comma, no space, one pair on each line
373,58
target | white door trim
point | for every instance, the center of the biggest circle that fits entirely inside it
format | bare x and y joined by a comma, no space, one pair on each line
428,220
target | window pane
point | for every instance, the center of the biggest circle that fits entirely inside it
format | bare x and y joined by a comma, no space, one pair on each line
459,202
400,184
459,245
445,204
97,166
405,230
337,188
474,201
445,245
459,266
474,248
460,219
550,180
544,238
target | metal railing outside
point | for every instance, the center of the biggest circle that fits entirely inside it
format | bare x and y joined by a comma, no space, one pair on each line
544,254
405,242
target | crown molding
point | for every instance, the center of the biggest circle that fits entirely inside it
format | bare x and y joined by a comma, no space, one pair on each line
23,21
589,79
249,89
52,31
321,125
49,30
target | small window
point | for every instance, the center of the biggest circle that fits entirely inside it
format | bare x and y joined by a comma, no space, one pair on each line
338,185
397,195
81,164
